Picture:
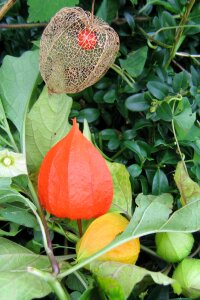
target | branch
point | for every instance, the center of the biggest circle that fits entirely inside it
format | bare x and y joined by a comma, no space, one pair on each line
31,25
6,8
179,31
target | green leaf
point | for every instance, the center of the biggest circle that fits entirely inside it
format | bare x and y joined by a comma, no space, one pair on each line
122,200
18,78
90,114
46,124
13,230
135,61
137,149
15,281
18,215
164,112
110,96
134,1
111,287
5,182
157,89
184,118
8,195
146,217
108,10
188,189
166,5
160,183
134,170
43,11
123,277
137,102
180,82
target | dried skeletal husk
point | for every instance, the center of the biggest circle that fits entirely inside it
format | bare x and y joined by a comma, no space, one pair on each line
65,66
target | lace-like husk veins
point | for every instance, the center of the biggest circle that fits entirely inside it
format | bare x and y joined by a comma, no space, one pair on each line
64,65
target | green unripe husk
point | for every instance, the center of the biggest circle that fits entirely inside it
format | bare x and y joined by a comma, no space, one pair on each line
174,246
187,278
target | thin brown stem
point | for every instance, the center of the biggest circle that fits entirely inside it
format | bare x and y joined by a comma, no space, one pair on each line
92,11
23,26
5,8
48,247
80,229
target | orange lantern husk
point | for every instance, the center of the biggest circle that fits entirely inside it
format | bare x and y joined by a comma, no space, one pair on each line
74,181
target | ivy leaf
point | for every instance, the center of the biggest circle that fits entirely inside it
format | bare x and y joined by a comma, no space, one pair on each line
46,124
18,78
123,277
14,278
43,11
188,189
122,199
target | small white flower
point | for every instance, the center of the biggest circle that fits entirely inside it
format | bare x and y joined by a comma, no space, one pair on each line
12,164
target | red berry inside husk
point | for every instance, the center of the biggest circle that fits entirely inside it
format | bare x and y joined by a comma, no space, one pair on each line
87,39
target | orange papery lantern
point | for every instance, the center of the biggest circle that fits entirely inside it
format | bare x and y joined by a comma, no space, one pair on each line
74,181
76,50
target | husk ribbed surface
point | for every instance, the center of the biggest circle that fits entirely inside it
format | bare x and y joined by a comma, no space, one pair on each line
65,66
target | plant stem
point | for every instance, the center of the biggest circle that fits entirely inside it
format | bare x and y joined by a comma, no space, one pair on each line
179,31
23,26
80,229
48,245
177,143
5,126
118,153
195,252
52,281
5,8
5,142
125,76
149,251
152,39
68,235
92,11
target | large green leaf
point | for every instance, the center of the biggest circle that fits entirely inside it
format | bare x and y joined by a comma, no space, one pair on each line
15,282
18,78
146,217
124,276
134,63
122,200
187,187
46,124
43,11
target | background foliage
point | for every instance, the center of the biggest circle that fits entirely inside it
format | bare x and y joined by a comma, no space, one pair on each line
140,125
